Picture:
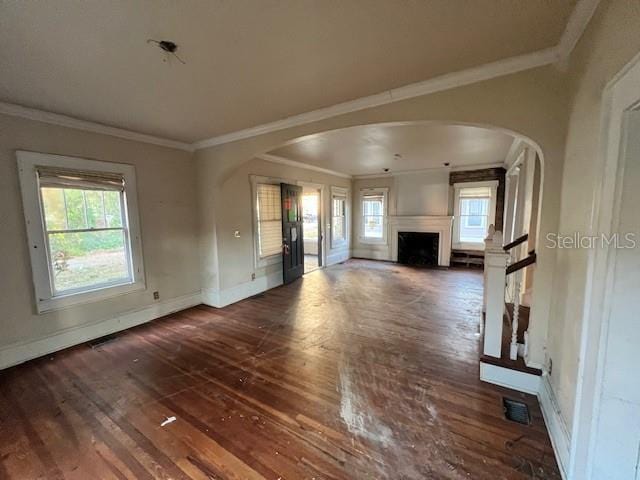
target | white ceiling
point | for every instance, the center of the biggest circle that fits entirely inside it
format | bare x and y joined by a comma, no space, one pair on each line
370,149
248,61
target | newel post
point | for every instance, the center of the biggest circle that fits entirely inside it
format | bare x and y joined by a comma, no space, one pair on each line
495,265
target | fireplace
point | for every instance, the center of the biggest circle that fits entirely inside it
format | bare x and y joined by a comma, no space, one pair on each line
418,248
438,225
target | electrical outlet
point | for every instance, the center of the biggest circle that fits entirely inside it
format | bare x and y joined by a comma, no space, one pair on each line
156,295
253,277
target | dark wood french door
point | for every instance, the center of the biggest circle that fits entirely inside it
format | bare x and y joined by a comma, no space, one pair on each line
292,236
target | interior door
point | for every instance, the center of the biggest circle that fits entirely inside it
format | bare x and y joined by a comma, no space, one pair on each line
292,237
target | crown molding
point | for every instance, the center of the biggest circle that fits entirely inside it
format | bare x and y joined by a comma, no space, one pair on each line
70,122
437,84
292,163
576,25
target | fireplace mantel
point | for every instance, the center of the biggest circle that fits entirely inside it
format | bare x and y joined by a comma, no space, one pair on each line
440,224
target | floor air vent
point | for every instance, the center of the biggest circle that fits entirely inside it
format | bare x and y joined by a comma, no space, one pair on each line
516,411
98,342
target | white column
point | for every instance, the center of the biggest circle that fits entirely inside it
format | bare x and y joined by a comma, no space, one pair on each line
495,264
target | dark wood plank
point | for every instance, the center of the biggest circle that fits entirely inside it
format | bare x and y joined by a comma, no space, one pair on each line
516,242
362,370
519,265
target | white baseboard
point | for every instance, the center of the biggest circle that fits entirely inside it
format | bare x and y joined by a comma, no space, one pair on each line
558,432
505,377
21,352
337,257
227,296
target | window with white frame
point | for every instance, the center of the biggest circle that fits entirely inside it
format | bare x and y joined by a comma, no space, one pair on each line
338,217
269,216
374,215
82,226
474,212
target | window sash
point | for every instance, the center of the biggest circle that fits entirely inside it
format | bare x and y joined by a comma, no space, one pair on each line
473,215
48,233
87,227
338,218
58,292
269,213
373,215
378,220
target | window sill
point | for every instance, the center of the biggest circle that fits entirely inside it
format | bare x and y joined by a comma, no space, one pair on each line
62,302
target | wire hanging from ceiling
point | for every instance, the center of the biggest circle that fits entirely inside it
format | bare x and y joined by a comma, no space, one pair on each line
167,46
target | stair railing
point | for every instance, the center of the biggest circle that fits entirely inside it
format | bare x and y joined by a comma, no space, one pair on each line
516,269
500,262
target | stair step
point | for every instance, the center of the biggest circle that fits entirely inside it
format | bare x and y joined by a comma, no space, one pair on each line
518,364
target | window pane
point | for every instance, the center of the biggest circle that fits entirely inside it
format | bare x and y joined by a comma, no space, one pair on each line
74,200
474,219
373,226
112,209
95,209
54,211
86,259
337,228
338,219
372,206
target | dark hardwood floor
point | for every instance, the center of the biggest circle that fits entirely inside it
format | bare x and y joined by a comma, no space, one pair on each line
364,370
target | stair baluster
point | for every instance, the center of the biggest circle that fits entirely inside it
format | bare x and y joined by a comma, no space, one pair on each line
513,350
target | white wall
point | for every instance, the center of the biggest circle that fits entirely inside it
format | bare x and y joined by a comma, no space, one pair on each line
423,193
167,204
610,41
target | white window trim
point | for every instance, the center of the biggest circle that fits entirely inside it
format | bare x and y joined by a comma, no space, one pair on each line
342,193
385,215
34,217
277,257
493,184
